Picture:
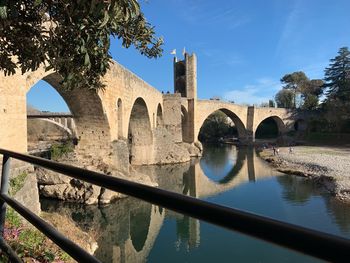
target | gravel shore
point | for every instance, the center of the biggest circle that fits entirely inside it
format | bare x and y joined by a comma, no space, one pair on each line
328,166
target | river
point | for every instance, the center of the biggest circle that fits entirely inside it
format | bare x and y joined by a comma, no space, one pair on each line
134,231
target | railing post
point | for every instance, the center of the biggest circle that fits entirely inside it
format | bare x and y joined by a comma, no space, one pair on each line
4,189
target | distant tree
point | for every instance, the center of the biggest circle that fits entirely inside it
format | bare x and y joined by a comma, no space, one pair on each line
285,99
264,104
294,82
310,94
310,102
216,126
71,37
272,104
337,76
337,89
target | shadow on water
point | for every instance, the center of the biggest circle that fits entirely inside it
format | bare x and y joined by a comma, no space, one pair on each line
131,230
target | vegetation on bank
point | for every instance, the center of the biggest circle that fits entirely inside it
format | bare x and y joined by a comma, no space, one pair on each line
59,150
28,242
334,109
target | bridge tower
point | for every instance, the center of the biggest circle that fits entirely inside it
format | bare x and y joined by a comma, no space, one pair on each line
185,83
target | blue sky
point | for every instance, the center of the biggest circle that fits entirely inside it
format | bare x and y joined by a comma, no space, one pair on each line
243,47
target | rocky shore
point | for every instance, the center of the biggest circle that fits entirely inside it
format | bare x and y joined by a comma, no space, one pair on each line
327,166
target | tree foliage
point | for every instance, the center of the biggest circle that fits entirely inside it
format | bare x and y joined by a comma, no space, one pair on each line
299,91
337,76
71,37
310,94
337,90
285,98
295,83
216,127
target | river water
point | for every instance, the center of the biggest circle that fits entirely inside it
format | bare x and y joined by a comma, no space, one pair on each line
135,231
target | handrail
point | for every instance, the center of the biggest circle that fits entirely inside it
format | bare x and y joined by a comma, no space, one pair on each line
321,245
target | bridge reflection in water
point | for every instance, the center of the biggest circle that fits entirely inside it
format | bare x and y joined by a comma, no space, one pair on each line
127,230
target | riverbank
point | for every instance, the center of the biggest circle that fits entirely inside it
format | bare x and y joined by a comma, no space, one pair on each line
327,166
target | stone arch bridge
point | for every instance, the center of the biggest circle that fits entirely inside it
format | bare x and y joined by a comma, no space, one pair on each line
130,115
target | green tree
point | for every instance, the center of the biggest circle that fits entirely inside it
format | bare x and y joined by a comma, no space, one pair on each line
294,82
337,76
337,89
310,94
71,37
285,99
216,126
272,103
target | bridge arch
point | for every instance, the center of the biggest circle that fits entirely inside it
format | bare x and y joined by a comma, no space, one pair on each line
86,106
241,130
280,127
140,136
59,125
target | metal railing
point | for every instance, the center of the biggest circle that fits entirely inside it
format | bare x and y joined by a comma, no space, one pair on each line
321,245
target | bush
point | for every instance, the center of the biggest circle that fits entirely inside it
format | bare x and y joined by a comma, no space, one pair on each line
59,150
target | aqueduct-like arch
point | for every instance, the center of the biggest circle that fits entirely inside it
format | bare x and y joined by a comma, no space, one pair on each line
108,115
140,135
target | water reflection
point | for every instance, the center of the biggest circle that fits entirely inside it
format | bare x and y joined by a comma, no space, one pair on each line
222,164
134,231
296,190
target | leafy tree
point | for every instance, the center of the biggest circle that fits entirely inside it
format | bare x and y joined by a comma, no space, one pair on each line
272,103
310,102
294,82
310,94
285,98
71,37
216,126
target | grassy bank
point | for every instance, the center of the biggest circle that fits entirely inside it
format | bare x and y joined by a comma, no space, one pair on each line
28,242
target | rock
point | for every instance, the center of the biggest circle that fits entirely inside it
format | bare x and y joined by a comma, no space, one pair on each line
92,194
28,195
108,196
62,187
199,145
166,150
47,177
194,149
53,191
120,156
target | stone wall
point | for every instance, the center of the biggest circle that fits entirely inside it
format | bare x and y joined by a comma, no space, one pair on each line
172,116
28,194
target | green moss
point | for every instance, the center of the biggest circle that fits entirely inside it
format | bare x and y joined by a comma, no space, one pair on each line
17,183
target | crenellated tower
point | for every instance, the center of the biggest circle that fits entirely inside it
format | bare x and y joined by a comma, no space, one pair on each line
185,76
185,83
